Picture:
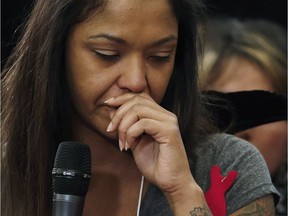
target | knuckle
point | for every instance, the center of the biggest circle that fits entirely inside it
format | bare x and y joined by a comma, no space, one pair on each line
136,107
138,98
122,129
174,118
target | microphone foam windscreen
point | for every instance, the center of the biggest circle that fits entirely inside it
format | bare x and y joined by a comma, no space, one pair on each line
72,169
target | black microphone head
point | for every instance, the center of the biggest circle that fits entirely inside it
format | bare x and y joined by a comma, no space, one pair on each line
72,169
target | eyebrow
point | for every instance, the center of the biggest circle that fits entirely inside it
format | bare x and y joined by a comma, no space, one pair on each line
122,41
164,40
108,37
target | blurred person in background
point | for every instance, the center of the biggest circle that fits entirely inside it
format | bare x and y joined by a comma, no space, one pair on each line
244,56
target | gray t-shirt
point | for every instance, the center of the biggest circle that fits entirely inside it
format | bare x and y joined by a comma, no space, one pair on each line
229,153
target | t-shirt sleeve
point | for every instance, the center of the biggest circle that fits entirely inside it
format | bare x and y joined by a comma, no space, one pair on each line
253,181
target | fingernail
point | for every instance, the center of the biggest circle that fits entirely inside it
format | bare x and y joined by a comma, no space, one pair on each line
121,146
126,146
109,128
109,100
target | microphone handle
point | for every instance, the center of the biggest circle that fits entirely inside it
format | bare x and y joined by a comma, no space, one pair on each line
67,205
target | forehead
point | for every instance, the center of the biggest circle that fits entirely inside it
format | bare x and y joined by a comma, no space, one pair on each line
240,73
145,12
133,20
122,5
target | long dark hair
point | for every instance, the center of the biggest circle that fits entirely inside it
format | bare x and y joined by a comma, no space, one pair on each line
35,107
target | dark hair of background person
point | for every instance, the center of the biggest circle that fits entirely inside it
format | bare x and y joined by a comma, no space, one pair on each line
36,105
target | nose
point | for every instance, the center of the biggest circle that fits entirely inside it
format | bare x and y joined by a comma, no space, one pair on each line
133,74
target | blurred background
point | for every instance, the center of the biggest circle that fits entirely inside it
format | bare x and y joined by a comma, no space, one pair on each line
13,13
274,10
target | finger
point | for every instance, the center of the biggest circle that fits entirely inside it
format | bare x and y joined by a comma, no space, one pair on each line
112,113
136,113
123,103
127,121
143,107
121,99
140,129
161,132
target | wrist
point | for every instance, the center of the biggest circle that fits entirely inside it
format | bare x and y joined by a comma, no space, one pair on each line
187,199
183,192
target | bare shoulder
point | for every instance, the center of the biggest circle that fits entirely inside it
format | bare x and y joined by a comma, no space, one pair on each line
260,207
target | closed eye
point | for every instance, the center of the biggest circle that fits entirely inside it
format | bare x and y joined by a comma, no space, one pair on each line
160,58
107,55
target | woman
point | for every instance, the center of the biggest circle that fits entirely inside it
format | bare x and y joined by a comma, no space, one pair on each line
118,75
251,55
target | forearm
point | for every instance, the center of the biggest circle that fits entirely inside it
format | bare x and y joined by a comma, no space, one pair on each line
188,201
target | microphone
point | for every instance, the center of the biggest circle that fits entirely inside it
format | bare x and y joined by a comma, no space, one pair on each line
70,178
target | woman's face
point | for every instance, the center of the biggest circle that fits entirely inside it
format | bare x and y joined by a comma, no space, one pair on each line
271,139
129,46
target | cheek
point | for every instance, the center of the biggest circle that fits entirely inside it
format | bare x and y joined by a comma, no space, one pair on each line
78,86
87,90
273,135
269,138
85,93
158,83
81,72
158,89
81,100
84,79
